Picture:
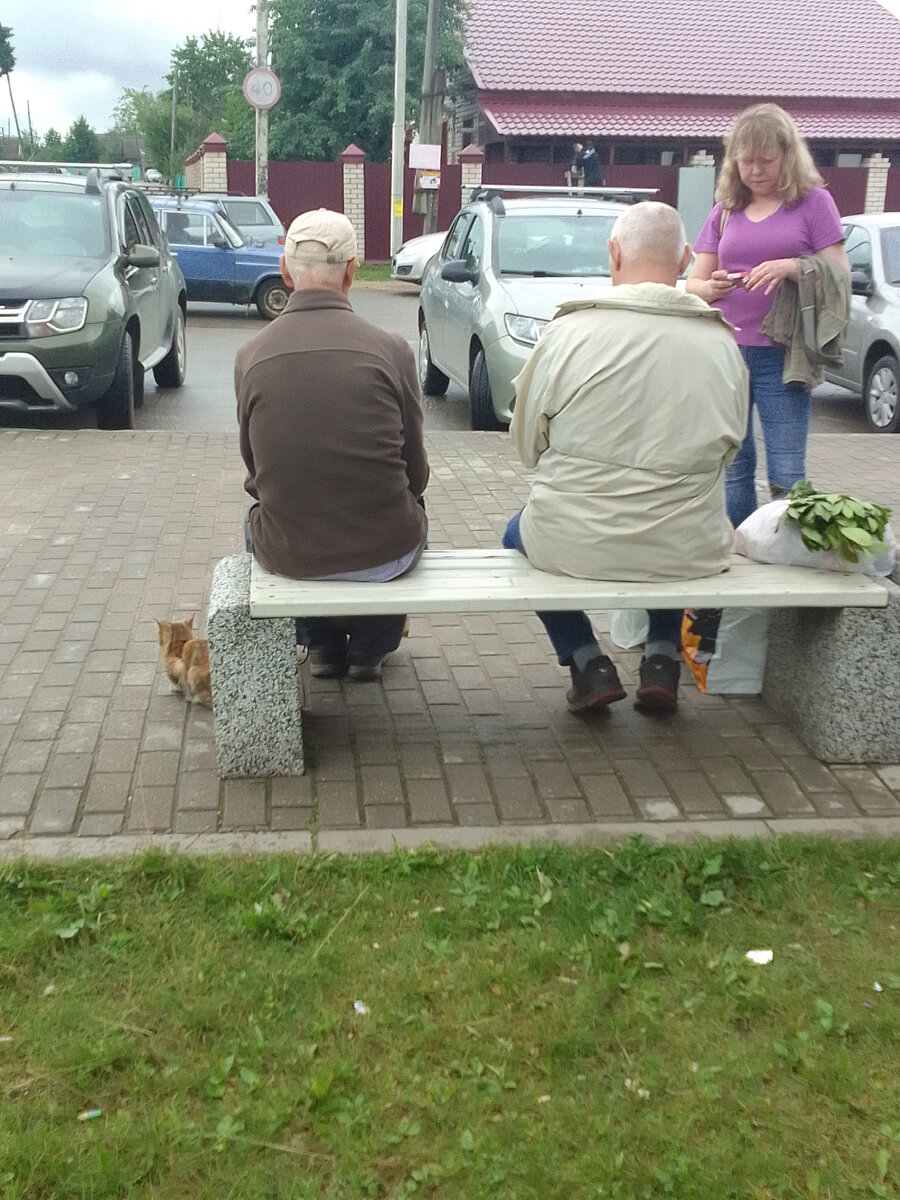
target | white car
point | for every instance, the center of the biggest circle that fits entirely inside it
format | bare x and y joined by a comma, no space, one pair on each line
152,175
413,257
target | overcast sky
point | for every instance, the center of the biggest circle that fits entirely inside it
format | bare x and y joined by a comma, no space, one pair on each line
77,58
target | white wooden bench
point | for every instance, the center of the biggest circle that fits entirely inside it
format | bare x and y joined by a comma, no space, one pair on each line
257,698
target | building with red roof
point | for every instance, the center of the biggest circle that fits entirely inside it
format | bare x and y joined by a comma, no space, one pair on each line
660,82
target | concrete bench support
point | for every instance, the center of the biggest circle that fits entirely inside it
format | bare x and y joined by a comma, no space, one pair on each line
255,683
835,675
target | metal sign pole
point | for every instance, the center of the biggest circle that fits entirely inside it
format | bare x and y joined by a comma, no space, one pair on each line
399,129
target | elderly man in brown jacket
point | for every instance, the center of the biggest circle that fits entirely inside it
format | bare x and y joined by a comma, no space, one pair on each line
331,433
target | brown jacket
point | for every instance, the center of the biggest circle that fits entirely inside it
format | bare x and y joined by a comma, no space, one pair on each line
331,435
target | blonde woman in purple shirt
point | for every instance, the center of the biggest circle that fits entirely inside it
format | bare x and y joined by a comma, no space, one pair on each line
771,210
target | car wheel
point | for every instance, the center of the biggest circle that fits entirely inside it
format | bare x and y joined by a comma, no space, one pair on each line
115,410
170,371
433,381
881,395
481,405
271,299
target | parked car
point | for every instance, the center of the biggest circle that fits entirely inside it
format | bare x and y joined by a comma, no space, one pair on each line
413,257
505,266
871,363
217,263
152,175
253,216
90,297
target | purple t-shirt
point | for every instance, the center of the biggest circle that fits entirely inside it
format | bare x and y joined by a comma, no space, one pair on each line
813,223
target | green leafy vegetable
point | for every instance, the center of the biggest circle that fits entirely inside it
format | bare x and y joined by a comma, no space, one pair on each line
844,524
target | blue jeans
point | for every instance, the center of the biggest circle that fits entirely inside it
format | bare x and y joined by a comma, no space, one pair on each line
784,416
569,631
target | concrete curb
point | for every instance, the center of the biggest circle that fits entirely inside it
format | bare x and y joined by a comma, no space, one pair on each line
378,841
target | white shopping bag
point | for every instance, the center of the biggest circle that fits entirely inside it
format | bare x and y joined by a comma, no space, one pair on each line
628,627
766,537
727,657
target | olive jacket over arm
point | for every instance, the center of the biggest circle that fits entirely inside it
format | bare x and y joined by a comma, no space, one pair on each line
331,433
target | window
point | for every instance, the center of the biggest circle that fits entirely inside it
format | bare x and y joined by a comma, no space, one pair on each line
457,232
473,247
859,249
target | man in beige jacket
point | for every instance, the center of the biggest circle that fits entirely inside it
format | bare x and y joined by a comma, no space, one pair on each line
629,410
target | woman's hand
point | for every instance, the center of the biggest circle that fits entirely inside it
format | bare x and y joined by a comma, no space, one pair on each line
712,288
769,274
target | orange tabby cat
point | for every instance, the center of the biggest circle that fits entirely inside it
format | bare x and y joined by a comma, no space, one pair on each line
186,659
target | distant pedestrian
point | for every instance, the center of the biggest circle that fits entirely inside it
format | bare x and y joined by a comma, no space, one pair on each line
587,160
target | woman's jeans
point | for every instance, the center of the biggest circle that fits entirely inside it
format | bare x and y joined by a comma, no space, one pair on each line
569,631
784,416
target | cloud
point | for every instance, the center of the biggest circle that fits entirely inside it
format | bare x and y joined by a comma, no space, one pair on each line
114,46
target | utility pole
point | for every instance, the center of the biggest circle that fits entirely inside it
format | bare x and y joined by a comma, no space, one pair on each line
431,112
399,128
262,114
172,170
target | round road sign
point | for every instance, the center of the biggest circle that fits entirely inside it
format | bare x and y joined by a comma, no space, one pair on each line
261,87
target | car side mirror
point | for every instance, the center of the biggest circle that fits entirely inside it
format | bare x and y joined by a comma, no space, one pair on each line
142,256
458,271
861,283
220,243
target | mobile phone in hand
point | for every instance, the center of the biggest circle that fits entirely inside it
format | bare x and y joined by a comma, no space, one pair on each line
737,277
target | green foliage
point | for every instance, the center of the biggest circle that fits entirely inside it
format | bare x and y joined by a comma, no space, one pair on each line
828,521
52,146
206,72
7,58
336,66
81,143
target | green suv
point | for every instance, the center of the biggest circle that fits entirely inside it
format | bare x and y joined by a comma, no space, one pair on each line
90,297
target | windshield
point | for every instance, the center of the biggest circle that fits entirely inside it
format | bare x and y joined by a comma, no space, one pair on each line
890,248
555,244
63,224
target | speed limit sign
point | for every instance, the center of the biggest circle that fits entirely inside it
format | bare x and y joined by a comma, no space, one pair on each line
261,87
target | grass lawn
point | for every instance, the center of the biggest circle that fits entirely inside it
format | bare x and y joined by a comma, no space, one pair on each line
373,271
523,1023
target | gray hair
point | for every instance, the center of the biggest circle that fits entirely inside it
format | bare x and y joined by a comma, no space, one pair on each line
650,232
316,274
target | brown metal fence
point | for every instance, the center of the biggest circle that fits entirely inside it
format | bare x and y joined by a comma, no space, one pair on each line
848,187
892,199
294,187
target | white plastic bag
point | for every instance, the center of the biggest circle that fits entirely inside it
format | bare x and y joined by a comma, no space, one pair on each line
628,627
728,656
765,537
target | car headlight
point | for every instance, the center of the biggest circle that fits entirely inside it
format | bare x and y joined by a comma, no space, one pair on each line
43,318
524,329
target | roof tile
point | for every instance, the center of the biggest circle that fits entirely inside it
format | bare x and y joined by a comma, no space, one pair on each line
786,48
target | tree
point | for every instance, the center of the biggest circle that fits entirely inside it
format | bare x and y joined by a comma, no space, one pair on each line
207,71
7,58
52,147
81,143
335,59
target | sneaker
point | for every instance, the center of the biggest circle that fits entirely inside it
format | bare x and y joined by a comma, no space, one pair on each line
328,662
594,687
365,672
659,684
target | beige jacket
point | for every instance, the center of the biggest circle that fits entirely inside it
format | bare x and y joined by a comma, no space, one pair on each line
629,410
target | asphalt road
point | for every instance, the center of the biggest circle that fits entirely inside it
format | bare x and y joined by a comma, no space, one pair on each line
215,331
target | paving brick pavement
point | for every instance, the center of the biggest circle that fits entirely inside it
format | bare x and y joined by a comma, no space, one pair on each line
466,739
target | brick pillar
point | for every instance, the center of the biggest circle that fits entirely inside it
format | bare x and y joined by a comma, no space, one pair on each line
876,182
214,164
701,158
472,161
354,163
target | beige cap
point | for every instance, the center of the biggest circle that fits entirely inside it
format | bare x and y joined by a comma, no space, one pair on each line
320,236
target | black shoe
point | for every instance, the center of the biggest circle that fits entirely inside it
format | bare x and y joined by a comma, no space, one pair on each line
659,684
594,687
364,672
328,662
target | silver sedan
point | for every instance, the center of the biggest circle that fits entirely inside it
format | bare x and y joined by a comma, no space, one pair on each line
871,363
